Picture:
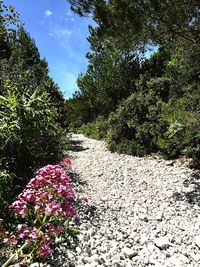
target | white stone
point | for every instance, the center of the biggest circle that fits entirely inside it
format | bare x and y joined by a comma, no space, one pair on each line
159,216
162,242
116,264
143,239
197,240
196,257
178,259
78,250
143,217
142,204
36,264
129,252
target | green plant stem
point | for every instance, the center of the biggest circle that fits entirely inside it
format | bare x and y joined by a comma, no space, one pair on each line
42,224
13,256
23,246
34,249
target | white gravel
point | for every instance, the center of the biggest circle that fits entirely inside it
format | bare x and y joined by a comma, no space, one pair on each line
141,212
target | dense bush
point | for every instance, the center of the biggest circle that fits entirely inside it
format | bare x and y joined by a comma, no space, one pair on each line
135,125
144,123
29,137
152,102
182,118
96,130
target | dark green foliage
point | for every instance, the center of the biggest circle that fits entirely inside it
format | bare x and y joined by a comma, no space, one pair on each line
134,127
8,17
96,130
110,77
78,111
29,138
28,129
140,22
182,118
156,65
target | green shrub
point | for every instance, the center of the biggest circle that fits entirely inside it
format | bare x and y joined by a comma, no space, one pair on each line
7,185
148,121
182,118
96,130
29,137
134,126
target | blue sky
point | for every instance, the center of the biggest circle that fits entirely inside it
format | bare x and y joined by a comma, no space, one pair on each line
60,36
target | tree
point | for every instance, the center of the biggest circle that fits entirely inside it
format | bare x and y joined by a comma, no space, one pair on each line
110,75
24,58
8,18
23,65
140,22
151,104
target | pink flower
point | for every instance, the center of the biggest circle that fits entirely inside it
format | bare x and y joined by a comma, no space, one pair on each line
20,207
85,199
65,177
11,239
5,240
48,210
45,248
24,233
56,230
20,227
68,211
14,241
27,195
44,251
66,162
56,205
38,181
50,193
33,235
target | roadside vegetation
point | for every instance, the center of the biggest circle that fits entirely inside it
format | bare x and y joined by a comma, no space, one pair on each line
142,82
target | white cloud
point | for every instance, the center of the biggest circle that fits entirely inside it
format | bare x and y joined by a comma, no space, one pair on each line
61,34
69,16
69,13
64,32
48,13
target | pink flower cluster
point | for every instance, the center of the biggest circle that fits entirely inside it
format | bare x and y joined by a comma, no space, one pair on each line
24,233
49,193
45,248
66,163
44,204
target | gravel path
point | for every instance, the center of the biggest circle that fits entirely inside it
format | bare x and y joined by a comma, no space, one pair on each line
141,212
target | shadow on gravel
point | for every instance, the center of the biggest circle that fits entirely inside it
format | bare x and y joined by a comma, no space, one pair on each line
85,210
87,213
75,145
77,181
192,197
77,148
76,142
